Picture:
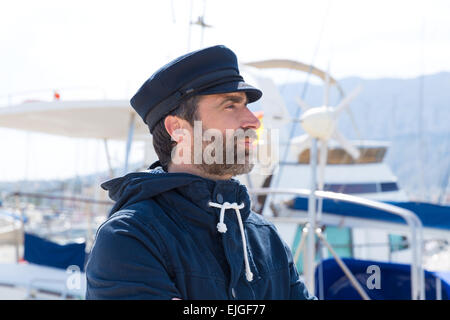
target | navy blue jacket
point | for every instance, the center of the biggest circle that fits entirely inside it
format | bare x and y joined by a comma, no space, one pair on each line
161,241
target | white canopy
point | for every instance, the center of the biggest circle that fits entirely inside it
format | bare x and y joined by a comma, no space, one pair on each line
100,119
294,65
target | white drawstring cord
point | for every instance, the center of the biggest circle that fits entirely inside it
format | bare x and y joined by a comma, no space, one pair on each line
222,227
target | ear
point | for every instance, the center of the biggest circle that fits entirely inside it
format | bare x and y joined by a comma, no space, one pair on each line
173,125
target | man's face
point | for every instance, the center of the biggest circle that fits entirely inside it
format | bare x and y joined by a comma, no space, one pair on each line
228,115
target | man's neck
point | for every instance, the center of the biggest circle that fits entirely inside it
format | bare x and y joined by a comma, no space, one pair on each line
191,169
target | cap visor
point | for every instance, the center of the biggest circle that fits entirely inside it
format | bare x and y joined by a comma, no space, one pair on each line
253,94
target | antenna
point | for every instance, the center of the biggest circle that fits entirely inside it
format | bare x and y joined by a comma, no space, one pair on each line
203,25
190,27
200,22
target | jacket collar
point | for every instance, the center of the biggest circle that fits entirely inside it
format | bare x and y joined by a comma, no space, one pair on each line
204,191
201,191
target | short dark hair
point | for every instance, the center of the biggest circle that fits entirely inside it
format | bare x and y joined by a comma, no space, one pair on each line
162,141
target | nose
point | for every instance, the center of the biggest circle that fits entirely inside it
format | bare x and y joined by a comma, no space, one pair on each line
249,120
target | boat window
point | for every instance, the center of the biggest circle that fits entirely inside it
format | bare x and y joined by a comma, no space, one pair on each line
389,186
355,188
352,188
397,242
340,238
340,156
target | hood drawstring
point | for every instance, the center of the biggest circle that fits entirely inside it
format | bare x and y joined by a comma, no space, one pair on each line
222,228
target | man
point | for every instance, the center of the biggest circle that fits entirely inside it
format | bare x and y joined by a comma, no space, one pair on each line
185,230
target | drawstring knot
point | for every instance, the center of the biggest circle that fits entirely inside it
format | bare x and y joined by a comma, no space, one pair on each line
222,228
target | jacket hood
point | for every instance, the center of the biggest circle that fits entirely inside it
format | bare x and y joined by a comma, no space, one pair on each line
138,186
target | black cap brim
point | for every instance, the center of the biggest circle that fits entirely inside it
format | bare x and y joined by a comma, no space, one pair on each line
253,94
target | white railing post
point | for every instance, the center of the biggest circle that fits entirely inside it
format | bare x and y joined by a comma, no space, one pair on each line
311,243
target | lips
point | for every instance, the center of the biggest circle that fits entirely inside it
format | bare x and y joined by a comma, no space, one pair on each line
250,142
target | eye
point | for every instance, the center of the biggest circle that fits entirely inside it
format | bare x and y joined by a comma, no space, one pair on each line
230,107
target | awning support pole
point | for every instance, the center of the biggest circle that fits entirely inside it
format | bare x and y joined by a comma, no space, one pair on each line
108,158
129,142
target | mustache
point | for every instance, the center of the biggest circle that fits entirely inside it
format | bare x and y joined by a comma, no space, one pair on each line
229,137
244,133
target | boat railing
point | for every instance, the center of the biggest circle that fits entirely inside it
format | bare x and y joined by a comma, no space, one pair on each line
59,197
413,222
86,201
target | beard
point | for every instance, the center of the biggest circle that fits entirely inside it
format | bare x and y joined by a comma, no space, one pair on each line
236,158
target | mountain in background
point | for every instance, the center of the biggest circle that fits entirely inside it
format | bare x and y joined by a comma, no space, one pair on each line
412,114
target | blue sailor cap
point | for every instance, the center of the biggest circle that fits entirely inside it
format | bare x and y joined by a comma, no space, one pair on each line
207,71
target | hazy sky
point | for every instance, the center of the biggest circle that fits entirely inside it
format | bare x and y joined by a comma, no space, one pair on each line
108,48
